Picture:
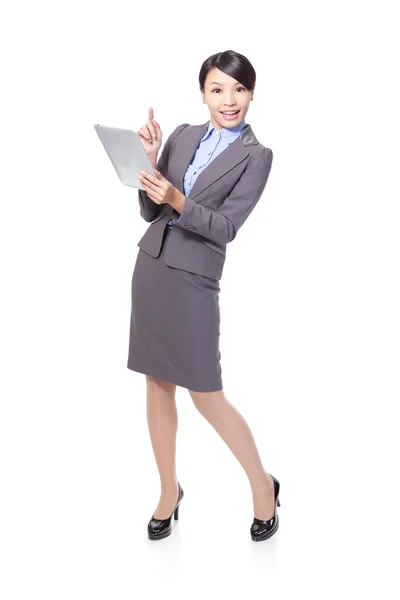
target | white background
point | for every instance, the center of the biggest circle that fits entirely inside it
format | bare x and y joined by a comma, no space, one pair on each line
309,306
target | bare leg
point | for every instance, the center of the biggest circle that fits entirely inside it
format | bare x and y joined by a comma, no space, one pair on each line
235,432
162,418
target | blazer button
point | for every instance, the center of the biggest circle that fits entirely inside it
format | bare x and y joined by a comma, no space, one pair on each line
194,228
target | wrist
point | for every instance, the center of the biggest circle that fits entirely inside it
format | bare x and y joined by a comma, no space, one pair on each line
178,201
153,159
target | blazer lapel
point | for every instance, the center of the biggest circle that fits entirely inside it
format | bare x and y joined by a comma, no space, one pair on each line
221,164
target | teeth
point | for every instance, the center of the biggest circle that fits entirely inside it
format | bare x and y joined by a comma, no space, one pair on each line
230,113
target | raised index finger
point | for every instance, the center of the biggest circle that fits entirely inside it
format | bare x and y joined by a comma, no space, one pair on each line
151,115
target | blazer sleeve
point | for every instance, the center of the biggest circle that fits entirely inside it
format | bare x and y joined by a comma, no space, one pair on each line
221,226
150,210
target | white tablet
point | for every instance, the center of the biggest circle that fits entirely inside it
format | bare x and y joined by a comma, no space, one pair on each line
126,153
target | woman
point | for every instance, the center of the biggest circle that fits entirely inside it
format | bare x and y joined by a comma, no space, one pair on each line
209,178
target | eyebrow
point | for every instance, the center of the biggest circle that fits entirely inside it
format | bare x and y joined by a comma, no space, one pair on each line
217,82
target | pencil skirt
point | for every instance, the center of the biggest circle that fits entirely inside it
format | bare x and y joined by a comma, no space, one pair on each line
174,324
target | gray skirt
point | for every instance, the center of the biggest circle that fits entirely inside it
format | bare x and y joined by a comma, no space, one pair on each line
175,324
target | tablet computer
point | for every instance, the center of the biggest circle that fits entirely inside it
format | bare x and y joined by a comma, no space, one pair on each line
126,152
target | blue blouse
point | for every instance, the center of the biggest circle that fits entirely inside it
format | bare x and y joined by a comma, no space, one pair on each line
213,142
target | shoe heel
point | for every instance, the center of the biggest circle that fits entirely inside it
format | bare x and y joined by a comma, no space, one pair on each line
160,528
262,530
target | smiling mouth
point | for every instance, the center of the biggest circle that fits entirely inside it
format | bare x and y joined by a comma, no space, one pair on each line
226,112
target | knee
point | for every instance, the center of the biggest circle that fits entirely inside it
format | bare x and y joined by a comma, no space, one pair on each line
205,402
159,385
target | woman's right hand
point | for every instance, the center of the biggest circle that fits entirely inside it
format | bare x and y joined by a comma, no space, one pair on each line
151,135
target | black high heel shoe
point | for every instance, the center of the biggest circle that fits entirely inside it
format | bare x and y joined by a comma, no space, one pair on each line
262,530
161,528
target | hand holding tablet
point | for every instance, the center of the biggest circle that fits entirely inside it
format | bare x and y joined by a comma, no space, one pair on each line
129,151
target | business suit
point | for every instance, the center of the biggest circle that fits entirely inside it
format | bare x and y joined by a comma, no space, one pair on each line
175,316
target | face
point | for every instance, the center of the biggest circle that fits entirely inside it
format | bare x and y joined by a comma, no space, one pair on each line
223,93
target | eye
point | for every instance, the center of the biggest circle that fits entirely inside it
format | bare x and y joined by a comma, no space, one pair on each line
219,89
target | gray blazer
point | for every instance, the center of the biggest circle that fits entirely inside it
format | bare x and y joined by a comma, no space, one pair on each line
221,199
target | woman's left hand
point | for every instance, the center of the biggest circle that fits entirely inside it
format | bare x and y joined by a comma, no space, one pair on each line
158,189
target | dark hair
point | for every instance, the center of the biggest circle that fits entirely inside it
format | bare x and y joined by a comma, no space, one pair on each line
233,64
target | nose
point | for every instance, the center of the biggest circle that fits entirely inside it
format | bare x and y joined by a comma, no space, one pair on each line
229,101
